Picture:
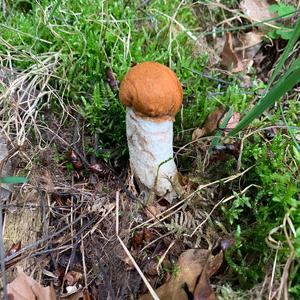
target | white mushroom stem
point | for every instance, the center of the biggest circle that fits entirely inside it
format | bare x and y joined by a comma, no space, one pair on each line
151,153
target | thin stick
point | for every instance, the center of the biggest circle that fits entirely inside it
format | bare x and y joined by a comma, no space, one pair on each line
216,205
4,279
273,275
83,262
201,187
151,290
163,256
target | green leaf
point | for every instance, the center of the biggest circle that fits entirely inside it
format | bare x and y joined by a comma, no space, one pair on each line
285,54
55,7
283,86
296,155
282,9
285,9
219,132
13,179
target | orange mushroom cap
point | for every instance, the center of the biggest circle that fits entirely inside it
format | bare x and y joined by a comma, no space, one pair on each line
152,90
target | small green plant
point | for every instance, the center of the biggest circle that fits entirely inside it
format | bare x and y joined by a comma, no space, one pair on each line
255,215
239,206
173,269
284,32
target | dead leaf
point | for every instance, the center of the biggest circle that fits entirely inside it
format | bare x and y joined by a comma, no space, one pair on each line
211,123
141,237
24,287
233,121
75,160
73,277
248,44
111,79
229,57
99,169
213,120
153,210
257,10
190,266
239,51
204,290
14,248
198,133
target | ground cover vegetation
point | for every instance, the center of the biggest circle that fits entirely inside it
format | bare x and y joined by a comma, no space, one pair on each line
61,66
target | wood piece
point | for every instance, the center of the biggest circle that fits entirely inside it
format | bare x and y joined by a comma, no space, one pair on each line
22,222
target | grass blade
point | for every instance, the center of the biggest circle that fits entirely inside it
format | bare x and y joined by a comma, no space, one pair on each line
13,179
283,86
286,52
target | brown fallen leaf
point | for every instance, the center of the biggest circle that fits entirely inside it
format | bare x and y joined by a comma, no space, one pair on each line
24,287
248,44
233,121
153,210
75,160
190,266
73,277
111,79
229,57
239,51
99,169
257,10
14,248
141,237
211,123
204,290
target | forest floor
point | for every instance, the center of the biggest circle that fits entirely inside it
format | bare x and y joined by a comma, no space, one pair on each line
73,223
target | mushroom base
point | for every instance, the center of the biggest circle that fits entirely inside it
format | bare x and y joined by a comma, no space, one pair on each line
151,154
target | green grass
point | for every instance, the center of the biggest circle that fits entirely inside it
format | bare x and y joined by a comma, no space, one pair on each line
91,36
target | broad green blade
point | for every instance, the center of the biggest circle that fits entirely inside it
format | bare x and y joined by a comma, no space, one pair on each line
219,132
13,179
286,52
283,86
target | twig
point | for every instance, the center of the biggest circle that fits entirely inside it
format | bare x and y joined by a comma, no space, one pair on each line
83,262
4,279
201,187
273,275
216,205
163,256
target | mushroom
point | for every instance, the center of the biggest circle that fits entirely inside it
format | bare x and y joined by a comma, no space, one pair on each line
152,95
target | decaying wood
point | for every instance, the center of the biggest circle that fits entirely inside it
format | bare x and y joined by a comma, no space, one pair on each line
22,223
